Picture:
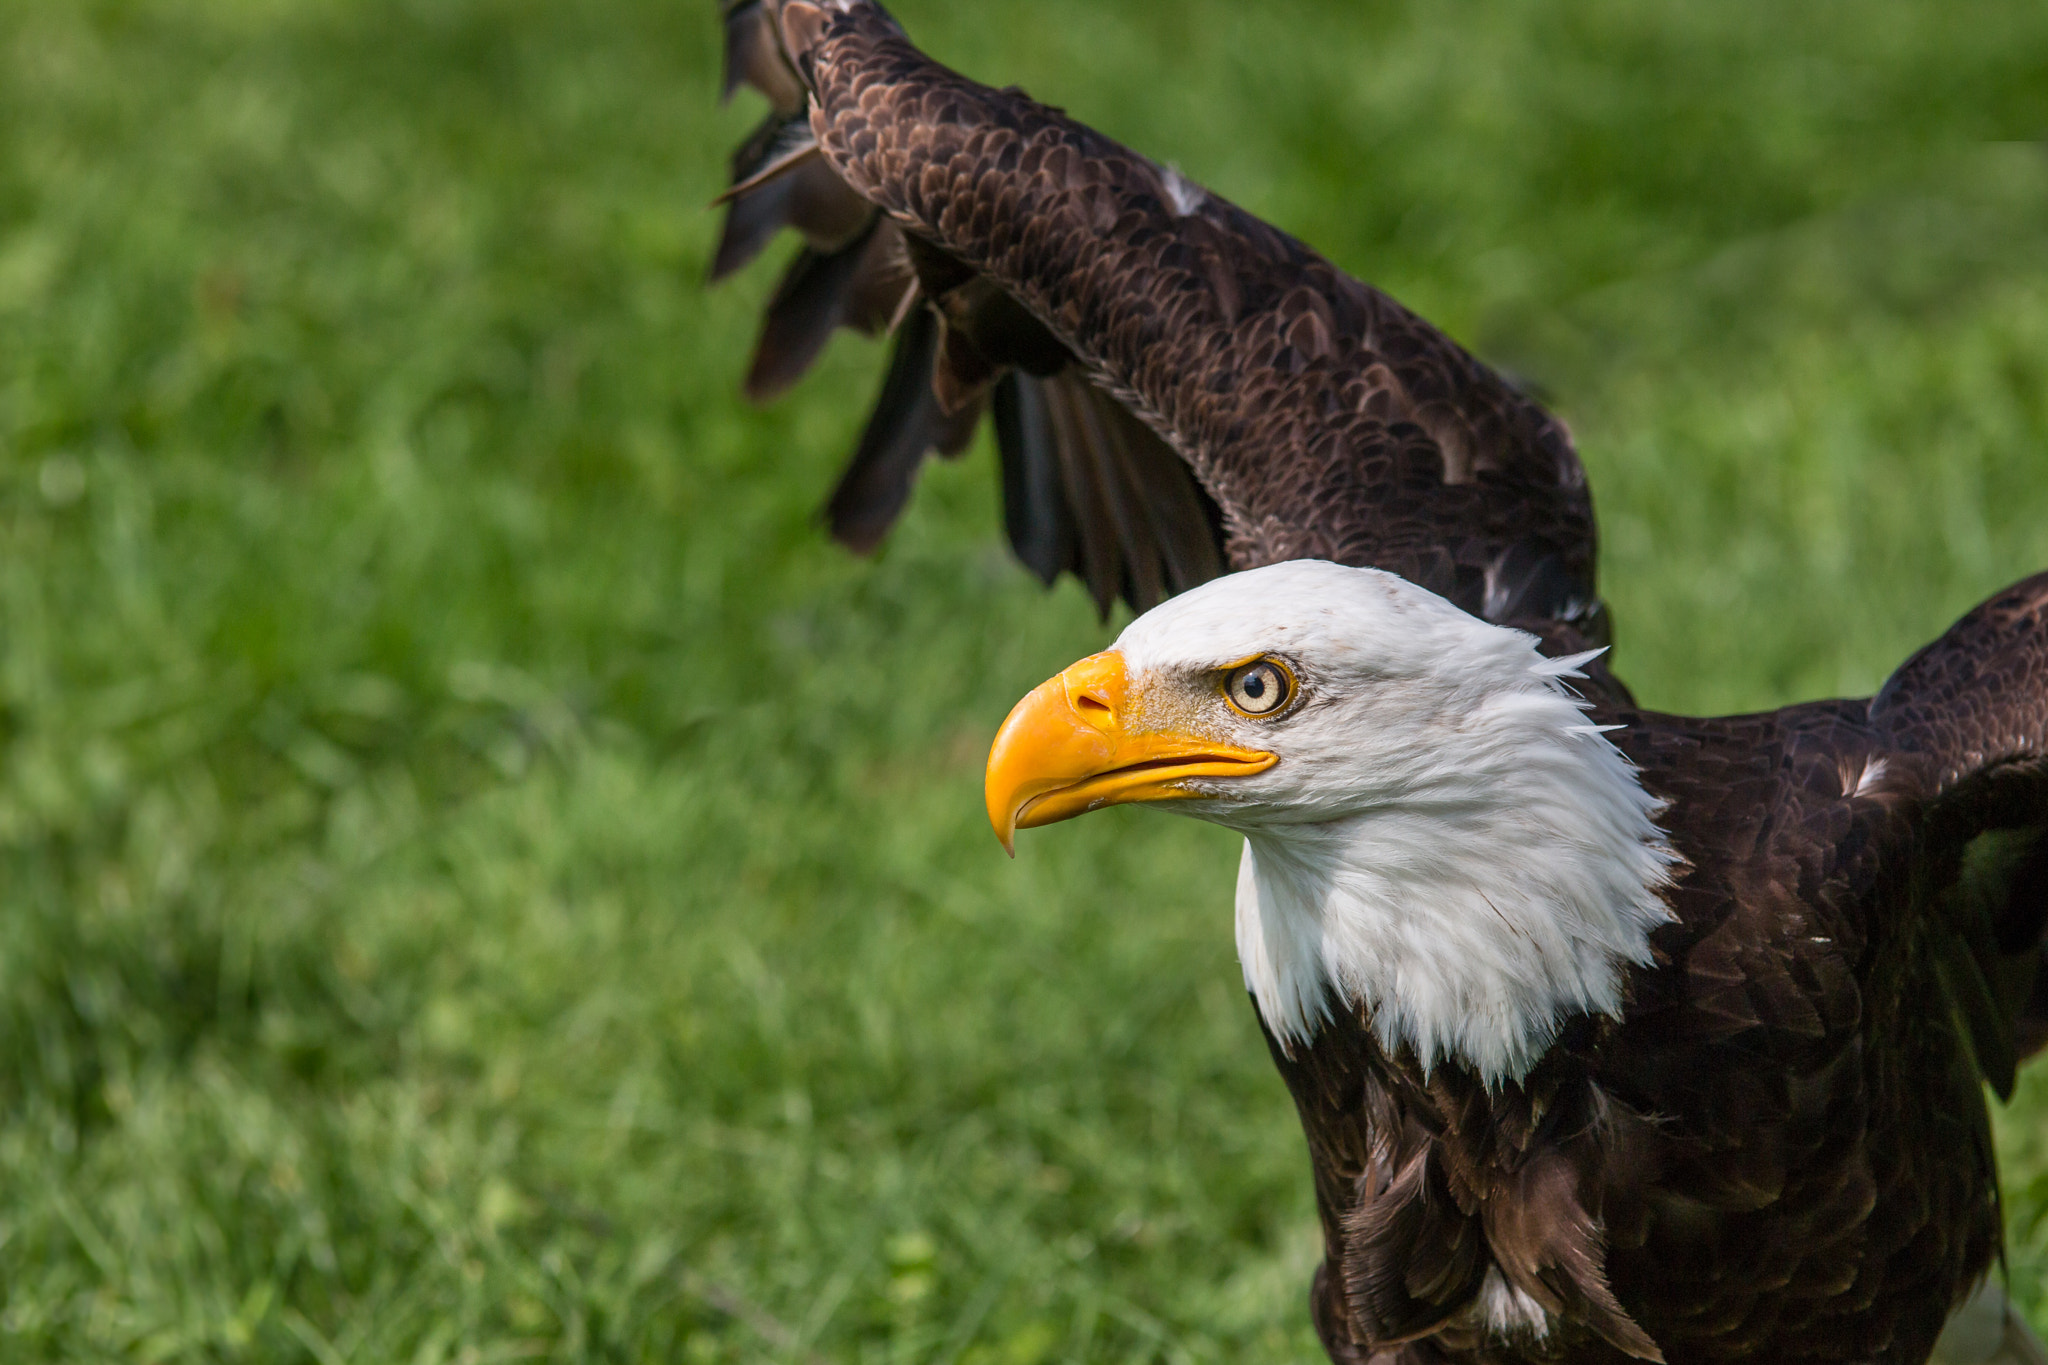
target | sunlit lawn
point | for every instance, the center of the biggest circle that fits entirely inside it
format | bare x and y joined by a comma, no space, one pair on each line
480,879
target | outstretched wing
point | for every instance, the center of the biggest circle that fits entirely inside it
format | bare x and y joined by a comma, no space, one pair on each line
1968,715
1862,913
1065,274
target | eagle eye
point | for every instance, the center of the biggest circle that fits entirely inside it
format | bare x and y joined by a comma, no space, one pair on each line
1260,687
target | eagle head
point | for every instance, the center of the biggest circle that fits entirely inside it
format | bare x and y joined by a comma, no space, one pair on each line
1435,834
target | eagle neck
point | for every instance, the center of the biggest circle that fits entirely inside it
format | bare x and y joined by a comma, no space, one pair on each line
1449,946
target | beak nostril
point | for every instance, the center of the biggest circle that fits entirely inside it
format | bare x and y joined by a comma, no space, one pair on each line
1092,707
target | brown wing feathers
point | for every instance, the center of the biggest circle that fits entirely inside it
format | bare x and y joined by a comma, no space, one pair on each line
907,423
753,56
1966,719
1087,488
1321,418
1977,697
1324,419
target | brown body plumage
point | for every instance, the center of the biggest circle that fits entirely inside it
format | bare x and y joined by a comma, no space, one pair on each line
1780,1152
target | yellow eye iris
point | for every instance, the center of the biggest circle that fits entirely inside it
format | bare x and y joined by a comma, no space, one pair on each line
1260,687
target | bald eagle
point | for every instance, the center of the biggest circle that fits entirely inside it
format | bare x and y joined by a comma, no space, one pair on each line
1614,1035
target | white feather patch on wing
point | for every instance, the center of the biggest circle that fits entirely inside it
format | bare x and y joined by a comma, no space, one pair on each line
1183,195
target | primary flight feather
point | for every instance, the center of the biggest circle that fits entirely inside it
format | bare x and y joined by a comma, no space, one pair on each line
1614,1034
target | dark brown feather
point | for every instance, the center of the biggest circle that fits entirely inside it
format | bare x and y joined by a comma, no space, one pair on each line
780,180
907,425
1036,515
754,56
1122,555
809,305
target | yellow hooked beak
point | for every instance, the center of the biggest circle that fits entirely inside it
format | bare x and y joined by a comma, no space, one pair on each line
1065,750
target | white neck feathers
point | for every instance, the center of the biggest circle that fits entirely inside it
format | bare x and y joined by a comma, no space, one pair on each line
1503,890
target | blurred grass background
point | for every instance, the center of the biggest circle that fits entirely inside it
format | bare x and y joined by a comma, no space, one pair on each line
482,880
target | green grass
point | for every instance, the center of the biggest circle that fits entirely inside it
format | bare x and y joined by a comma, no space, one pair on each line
480,879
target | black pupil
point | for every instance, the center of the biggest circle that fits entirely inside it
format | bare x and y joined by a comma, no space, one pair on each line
1255,685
